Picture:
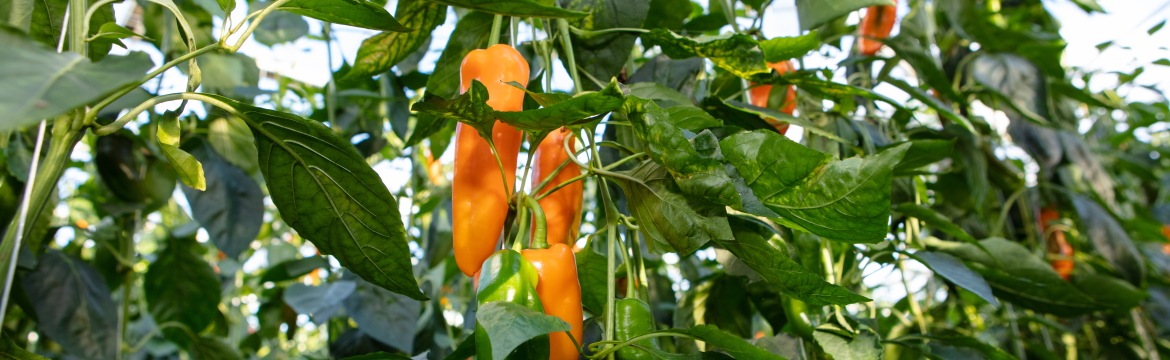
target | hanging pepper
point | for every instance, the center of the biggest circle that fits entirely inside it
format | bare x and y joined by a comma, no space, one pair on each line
562,208
479,198
876,26
508,276
1057,245
797,313
760,95
560,293
634,319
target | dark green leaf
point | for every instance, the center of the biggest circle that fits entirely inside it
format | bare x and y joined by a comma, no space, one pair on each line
384,315
954,270
922,153
359,13
591,270
509,324
73,306
662,95
470,108
1155,28
924,65
940,343
181,287
728,307
792,279
327,192
1162,61
281,27
692,119
1110,240
566,112
293,269
737,53
231,209
733,345
668,14
934,220
672,220
231,138
465,350
10,351
1023,278
213,349
813,13
520,8
604,55
679,75
41,84
865,345
840,200
784,48
1110,291
542,99
782,117
320,301
1017,79
381,52
379,356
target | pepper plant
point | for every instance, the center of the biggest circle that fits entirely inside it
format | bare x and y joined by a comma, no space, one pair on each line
691,189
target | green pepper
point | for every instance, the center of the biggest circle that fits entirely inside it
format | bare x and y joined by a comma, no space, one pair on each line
798,317
508,276
633,320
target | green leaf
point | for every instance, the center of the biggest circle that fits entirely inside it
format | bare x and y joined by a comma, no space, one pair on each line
181,287
73,306
293,269
231,208
814,13
213,349
470,108
1162,61
696,174
1110,240
231,138
42,84
327,192
780,116
840,200
378,356
1016,79
542,99
112,30
384,315
922,153
223,73
672,220
731,344
662,95
603,56
520,8
45,19
465,350
188,168
751,246
789,47
381,52
509,324
692,118
591,270
954,270
227,5
281,27
565,113
1110,291
10,351
925,65
1155,28
1023,278
738,53
935,220
317,300
943,110
728,306
865,345
359,13
940,343
472,32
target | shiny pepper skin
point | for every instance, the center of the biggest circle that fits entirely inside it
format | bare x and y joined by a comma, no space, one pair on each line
876,25
1057,245
560,293
760,94
479,200
562,209
634,319
508,276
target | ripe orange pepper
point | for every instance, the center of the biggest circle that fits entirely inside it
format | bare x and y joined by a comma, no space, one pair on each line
1063,264
759,95
876,25
479,200
560,292
562,209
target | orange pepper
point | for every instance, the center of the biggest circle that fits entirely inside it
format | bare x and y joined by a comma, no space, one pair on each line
562,209
759,95
479,200
560,292
1063,264
877,24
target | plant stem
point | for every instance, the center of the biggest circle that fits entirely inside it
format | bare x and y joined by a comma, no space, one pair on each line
540,224
914,307
113,127
584,32
252,26
1144,334
567,44
331,87
77,26
497,24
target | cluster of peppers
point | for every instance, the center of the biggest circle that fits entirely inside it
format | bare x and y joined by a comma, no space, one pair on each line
544,277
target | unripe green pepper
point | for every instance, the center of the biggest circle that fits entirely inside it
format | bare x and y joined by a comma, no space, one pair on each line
508,276
798,317
633,319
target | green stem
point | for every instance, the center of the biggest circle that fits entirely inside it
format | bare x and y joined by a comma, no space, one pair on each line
567,44
77,26
914,307
540,228
632,341
113,127
584,32
331,87
89,14
497,24
521,228
252,26
631,272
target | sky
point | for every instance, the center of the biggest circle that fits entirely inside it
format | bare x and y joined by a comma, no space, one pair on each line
1125,23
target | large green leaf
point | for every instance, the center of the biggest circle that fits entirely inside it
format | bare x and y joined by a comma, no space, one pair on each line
181,287
1016,275
737,53
1110,291
728,307
281,27
841,200
567,112
954,270
472,32
864,345
231,209
751,246
384,315
381,52
213,349
327,192
784,48
520,8
470,108
73,306
1110,240
672,220
510,324
604,55
814,13
922,153
41,84
359,13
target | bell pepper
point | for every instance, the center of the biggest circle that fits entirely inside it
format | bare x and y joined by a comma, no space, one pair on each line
562,208
760,94
479,198
508,276
634,319
876,26
560,293
1057,245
